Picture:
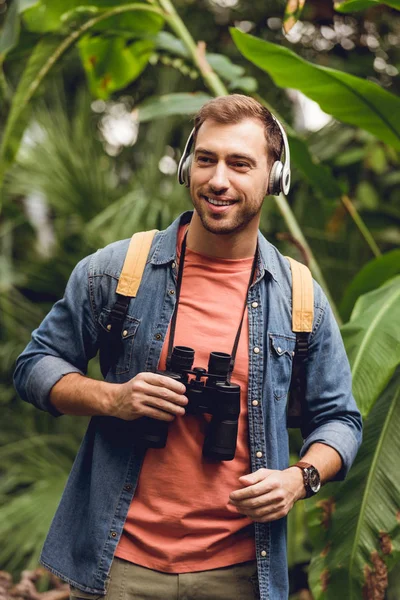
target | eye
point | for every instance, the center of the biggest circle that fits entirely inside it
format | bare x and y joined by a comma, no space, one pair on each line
242,166
204,160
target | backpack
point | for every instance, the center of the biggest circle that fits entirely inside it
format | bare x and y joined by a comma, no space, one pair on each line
302,318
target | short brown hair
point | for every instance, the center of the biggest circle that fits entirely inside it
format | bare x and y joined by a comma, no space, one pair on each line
236,107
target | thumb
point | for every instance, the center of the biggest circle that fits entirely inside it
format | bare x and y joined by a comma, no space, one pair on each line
255,477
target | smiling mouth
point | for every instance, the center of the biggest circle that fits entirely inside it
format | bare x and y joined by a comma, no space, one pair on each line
215,202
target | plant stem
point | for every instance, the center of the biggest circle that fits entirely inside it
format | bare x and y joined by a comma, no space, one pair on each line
298,235
365,232
197,52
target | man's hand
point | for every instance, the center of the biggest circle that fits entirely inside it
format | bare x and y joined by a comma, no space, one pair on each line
267,494
148,395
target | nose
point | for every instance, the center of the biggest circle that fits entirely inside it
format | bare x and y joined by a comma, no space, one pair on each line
219,180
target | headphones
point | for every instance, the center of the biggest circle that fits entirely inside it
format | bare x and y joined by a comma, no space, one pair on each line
279,177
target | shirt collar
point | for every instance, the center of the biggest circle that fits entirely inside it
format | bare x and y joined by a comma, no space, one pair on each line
165,248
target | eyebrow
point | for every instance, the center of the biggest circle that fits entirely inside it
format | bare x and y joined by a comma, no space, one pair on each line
247,157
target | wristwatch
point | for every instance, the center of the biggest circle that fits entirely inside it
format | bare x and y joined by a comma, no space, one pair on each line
312,480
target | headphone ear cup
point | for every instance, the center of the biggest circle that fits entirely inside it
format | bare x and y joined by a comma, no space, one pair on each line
185,173
275,177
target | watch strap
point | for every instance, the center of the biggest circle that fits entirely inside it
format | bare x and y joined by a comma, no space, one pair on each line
303,466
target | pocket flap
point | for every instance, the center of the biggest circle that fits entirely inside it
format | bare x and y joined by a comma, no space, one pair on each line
128,329
283,344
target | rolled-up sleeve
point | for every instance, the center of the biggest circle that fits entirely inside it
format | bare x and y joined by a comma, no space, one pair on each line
331,413
64,343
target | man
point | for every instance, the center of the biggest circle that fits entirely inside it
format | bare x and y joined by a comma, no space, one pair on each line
169,522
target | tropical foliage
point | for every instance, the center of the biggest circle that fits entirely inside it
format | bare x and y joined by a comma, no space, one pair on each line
74,73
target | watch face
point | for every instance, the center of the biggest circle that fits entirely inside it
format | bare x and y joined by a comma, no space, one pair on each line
314,480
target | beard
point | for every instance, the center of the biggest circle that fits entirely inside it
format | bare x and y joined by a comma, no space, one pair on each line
225,225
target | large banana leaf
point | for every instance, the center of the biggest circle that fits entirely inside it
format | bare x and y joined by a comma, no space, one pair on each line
374,274
356,531
346,97
372,340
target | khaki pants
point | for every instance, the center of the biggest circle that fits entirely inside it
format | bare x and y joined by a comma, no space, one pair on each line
131,582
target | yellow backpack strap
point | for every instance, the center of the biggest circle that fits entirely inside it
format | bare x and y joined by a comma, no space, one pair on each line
135,262
302,297
302,322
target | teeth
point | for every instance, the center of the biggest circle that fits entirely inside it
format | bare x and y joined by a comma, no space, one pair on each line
218,202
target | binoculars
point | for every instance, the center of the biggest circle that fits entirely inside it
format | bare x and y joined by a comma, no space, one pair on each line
208,391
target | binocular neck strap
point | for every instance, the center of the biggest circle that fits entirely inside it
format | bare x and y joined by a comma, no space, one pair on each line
175,314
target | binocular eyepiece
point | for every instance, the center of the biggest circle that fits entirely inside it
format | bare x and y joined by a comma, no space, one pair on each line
208,391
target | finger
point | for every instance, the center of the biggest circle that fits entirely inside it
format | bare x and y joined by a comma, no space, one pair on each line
160,415
252,491
255,477
163,393
165,382
253,503
164,405
271,512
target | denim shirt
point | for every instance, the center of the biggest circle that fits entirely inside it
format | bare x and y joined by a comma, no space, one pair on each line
90,518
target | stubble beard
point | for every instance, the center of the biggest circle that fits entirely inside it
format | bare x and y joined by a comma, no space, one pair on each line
219,224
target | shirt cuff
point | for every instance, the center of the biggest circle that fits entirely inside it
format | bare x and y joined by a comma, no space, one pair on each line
340,437
43,377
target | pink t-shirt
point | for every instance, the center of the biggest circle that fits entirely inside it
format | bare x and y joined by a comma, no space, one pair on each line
179,519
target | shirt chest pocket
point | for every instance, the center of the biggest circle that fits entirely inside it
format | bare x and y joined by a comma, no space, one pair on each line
121,352
281,353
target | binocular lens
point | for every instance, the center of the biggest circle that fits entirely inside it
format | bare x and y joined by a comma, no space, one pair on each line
219,363
182,358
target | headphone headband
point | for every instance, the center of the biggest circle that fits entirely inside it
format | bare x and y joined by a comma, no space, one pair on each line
279,178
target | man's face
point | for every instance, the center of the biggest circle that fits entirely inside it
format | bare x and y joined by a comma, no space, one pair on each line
229,175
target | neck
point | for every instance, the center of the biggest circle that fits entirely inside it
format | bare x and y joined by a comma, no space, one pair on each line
235,245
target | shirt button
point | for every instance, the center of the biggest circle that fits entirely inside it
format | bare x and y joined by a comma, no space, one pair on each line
173,265
259,454
109,327
124,333
255,403
254,304
158,336
263,553
172,292
114,534
279,349
256,350
127,487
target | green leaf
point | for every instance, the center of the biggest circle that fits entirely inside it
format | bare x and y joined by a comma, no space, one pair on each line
9,34
224,67
50,16
376,159
247,84
319,176
372,275
355,5
112,63
46,53
357,530
372,341
164,40
367,195
346,97
159,107
38,65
